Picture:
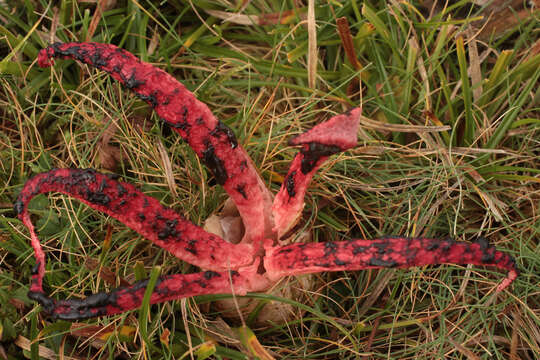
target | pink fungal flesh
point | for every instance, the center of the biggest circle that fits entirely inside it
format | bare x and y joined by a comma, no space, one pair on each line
392,252
168,287
231,268
142,213
211,139
325,139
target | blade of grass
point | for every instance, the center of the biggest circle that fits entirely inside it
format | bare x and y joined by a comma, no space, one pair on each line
510,117
267,297
34,335
28,49
499,71
250,341
140,272
145,307
312,45
527,121
409,77
526,69
382,30
85,23
7,59
379,25
469,133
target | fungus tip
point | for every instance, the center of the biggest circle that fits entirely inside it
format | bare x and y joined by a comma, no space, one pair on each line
44,58
512,275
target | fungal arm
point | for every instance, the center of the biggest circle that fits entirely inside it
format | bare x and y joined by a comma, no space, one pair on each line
391,252
169,287
230,268
142,213
190,243
211,139
325,139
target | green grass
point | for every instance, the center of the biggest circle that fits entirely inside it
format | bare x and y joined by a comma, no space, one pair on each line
479,177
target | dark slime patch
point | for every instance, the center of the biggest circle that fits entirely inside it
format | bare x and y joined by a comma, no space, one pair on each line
313,152
214,163
289,184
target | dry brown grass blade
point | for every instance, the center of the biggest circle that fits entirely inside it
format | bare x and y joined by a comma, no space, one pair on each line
426,217
474,174
235,18
154,42
377,125
54,25
463,350
100,7
105,273
423,75
312,44
88,330
474,68
515,334
490,202
344,32
370,150
109,156
3,354
222,332
167,166
44,352
375,293
284,17
372,334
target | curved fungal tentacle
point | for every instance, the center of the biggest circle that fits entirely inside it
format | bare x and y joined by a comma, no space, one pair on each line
390,252
142,213
229,268
330,137
168,287
212,140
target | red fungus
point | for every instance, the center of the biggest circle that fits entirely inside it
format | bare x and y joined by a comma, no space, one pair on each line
391,252
211,139
231,268
325,139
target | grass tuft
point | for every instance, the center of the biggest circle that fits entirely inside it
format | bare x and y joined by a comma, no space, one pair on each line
448,147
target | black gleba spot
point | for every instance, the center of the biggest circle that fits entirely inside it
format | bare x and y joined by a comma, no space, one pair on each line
168,230
290,185
381,263
222,128
241,189
132,82
210,274
215,164
97,198
313,152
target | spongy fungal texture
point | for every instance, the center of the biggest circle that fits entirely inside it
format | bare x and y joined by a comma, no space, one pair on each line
330,137
157,223
391,252
142,213
211,140
243,265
